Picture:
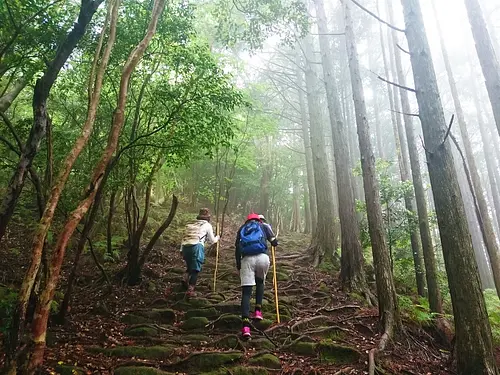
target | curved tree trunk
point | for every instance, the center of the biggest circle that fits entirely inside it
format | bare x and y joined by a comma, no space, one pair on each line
473,333
39,326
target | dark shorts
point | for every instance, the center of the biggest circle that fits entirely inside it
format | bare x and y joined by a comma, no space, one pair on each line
194,256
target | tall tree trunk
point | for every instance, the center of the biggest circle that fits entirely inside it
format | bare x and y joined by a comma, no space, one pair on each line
352,271
376,109
489,154
404,167
39,326
40,95
477,188
109,222
295,224
487,57
307,207
473,333
481,256
306,137
386,292
324,237
435,302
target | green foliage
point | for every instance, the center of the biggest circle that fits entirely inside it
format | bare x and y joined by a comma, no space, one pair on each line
8,299
493,307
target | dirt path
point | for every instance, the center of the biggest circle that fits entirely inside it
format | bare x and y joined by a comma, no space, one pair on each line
154,329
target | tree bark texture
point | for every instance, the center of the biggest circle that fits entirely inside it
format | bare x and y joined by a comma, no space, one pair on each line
487,57
324,237
404,167
352,271
434,294
386,292
473,334
477,191
304,120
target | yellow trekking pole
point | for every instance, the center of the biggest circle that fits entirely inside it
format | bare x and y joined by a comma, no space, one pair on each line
275,280
216,255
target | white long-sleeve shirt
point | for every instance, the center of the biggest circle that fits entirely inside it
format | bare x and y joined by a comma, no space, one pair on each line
199,232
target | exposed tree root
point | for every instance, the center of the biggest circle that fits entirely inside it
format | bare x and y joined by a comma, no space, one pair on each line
380,348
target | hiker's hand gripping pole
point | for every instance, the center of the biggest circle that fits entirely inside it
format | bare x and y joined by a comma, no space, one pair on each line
275,281
216,255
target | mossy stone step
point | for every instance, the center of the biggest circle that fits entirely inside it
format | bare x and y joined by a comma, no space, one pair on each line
141,330
155,315
144,352
228,308
228,322
228,342
210,312
206,361
63,369
239,370
261,344
192,339
139,370
337,354
195,323
303,348
267,360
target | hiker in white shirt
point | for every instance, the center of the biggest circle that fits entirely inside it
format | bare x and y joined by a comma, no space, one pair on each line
193,249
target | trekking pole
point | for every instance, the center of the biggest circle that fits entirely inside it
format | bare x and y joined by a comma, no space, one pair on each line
216,255
275,281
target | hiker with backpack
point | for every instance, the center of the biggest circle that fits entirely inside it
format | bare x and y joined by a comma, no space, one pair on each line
252,261
193,247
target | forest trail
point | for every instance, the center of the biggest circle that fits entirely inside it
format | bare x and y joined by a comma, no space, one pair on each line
153,329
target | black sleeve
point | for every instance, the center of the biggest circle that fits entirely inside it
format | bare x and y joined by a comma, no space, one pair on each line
237,251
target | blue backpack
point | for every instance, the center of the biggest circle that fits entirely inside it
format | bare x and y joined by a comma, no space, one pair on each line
252,239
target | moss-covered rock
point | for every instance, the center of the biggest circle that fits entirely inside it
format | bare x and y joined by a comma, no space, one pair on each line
261,344
317,321
139,370
228,322
160,303
194,323
263,324
149,352
63,369
228,342
210,312
303,348
141,331
239,370
199,302
193,339
228,308
162,316
133,318
266,360
206,361
338,354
